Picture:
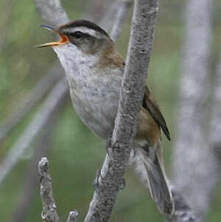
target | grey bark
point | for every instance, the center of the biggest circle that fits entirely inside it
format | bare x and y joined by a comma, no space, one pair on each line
132,91
37,123
194,169
30,100
49,213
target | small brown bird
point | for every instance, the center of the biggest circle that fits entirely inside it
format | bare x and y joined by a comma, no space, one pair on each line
94,70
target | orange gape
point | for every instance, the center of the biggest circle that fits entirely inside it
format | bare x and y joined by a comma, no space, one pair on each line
64,39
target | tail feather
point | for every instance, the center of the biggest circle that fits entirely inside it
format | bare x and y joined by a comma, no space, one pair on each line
151,171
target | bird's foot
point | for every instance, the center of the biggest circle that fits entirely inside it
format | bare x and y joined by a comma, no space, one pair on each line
122,184
96,181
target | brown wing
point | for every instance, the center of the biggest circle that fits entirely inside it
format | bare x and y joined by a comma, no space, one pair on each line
152,107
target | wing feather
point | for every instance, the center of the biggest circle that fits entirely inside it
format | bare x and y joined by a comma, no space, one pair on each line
150,105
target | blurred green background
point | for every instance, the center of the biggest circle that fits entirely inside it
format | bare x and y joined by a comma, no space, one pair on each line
75,153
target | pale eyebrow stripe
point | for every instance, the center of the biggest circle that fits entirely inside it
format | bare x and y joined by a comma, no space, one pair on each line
85,30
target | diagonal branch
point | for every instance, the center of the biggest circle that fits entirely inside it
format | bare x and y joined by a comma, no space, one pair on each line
132,91
54,14
26,105
38,122
121,15
107,21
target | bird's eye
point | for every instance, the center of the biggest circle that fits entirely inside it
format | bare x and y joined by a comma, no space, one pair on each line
77,34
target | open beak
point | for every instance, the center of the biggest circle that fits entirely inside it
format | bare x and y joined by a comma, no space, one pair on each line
63,38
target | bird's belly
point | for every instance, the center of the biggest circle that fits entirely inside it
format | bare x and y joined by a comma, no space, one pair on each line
96,106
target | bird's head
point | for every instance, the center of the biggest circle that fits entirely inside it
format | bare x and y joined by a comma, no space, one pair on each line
84,43
79,35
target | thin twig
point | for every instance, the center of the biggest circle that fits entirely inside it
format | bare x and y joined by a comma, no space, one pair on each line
38,122
30,100
113,169
49,213
107,21
120,17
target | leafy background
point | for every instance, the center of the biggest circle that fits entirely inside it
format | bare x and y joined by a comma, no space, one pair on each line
75,153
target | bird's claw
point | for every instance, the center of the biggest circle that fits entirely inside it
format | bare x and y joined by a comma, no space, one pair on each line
122,184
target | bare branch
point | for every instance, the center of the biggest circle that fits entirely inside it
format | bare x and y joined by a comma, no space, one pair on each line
49,213
120,17
193,163
30,100
38,122
52,12
132,91
107,21
72,216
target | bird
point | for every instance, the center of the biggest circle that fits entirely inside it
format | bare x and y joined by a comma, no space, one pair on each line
94,70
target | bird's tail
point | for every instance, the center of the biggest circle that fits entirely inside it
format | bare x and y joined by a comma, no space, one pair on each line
151,171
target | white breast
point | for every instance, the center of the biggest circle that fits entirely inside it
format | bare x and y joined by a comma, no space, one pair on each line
94,92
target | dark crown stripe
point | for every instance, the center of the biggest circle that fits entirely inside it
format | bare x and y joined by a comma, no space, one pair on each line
82,23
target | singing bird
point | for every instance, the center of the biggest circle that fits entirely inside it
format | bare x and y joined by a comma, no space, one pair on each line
94,70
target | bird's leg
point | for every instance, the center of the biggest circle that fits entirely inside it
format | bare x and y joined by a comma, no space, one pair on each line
108,150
